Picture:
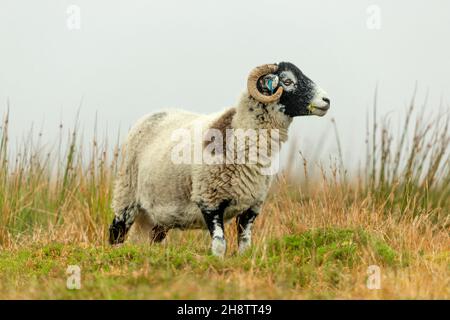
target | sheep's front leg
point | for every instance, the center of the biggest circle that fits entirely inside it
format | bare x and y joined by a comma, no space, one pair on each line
244,229
214,221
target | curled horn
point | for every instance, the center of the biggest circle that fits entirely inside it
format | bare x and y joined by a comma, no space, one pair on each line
252,81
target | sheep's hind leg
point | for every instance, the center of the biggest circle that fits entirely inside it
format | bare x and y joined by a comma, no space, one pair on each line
145,231
214,221
244,228
122,224
158,234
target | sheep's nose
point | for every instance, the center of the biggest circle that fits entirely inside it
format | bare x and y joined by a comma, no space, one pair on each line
325,99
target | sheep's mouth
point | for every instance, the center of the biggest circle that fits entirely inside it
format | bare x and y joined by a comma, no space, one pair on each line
318,110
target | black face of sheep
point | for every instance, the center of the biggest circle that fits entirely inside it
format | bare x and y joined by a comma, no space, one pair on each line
287,85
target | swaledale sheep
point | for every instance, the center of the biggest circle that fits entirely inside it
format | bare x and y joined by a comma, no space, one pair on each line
154,193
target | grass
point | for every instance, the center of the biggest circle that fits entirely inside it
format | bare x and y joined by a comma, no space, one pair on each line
110,273
315,238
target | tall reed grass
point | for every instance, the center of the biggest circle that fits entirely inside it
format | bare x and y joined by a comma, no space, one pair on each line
63,191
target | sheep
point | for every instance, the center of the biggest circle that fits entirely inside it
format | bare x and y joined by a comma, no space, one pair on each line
153,193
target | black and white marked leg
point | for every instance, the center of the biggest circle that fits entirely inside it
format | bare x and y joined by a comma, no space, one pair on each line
122,224
214,221
244,228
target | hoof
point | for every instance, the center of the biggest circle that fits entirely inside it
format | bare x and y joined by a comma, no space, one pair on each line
219,247
244,246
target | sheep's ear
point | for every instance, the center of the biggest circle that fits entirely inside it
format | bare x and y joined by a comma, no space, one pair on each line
269,83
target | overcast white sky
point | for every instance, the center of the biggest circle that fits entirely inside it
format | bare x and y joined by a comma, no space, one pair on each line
133,57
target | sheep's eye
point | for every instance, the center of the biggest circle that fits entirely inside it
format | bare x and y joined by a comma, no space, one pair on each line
287,82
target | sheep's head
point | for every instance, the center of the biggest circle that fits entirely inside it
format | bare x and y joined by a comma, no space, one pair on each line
286,84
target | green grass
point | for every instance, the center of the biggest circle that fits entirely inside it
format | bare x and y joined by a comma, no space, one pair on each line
340,247
332,251
134,271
